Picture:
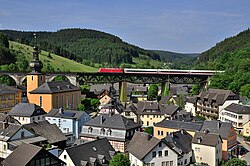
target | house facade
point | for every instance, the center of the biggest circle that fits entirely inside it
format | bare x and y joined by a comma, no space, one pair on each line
150,113
236,114
227,134
27,113
207,148
97,152
211,102
166,127
116,128
68,121
9,97
145,149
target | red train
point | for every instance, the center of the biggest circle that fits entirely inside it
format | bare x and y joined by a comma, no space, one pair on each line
111,70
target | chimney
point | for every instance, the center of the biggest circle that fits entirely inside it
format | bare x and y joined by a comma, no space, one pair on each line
199,139
149,137
101,119
60,110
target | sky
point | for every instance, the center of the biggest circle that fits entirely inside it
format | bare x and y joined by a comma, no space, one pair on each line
185,26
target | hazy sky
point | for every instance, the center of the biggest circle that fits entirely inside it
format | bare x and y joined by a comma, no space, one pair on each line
174,25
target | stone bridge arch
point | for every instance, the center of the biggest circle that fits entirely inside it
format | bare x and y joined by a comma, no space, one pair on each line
71,77
17,77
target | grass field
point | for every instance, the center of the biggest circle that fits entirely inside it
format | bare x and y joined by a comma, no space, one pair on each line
57,62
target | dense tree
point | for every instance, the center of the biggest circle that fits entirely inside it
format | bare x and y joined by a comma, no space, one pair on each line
83,44
195,89
149,130
245,90
232,56
235,161
119,160
152,92
4,41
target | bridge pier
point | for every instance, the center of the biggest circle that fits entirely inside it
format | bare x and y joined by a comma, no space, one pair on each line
165,88
18,78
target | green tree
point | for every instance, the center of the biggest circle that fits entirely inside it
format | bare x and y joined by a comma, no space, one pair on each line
81,107
166,90
245,90
119,160
180,101
149,130
234,162
4,41
123,95
94,102
195,89
152,92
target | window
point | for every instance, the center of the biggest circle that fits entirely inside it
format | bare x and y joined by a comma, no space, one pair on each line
160,153
32,78
160,144
161,132
4,147
41,101
147,123
72,100
57,102
62,101
154,154
65,157
171,163
163,163
185,162
166,152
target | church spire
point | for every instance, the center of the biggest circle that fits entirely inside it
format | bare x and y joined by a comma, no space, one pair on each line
36,65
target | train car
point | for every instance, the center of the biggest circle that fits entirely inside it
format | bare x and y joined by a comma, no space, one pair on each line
111,70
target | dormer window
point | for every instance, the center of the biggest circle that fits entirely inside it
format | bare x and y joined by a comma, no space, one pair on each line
102,131
90,129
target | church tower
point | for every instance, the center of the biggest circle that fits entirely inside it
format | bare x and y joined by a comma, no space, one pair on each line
35,78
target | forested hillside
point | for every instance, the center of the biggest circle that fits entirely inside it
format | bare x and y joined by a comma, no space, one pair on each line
233,56
177,60
84,46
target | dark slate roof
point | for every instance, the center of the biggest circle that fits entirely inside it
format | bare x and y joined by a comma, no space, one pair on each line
22,155
9,131
68,114
55,87
218,127
141,144
180,141
208,139
165,99
95,150
153,107
49,131
216,97
26,110
8,119
191,100
189,126
116,121
177,90
7,88
238,109
99,88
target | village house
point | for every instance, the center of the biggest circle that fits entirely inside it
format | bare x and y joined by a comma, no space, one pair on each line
166,127
9,97
27,113
212,101
236,114
51,132
48,95
144,149
228,136
130,112
151,112
98,152
116,128
27,155
12,135
181,142
207,148
69,122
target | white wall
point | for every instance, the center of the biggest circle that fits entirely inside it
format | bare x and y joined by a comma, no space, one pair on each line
172,156
27,120
68,160
187,157
227,103
189,107
135,161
